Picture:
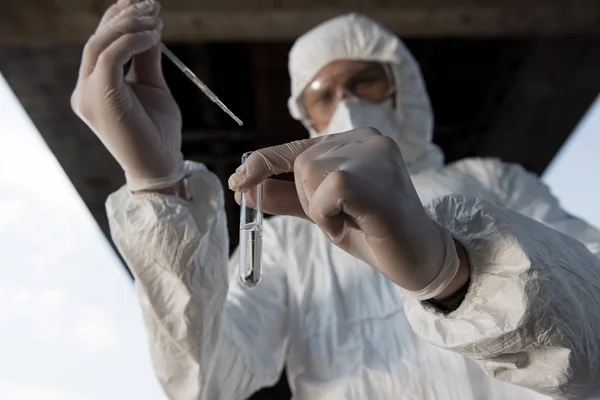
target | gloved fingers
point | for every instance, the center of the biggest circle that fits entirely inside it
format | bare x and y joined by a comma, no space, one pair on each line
146,69
325,160
267,162
113,11
316,162
326,206
136,18
279,198
281,159
301,192
120,51
131,9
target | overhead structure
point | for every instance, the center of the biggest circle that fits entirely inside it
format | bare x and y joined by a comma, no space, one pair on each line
42,22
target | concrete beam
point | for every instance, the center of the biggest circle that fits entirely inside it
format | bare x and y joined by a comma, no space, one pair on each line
43,81
41,22
553,89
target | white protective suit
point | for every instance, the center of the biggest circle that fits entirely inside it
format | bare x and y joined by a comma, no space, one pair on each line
531,315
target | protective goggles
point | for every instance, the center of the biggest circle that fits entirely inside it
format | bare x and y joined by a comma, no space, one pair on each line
369,81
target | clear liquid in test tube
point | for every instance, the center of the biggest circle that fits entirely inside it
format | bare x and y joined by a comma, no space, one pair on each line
251,223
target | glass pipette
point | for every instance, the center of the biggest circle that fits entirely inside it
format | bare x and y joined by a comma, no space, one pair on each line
188,72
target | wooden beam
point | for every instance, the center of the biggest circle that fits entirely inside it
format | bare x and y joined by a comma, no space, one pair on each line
550,94
39,22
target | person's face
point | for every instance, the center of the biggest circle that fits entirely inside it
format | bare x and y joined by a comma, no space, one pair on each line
368,81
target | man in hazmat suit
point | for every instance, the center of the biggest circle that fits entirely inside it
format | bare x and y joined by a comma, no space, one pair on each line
491,274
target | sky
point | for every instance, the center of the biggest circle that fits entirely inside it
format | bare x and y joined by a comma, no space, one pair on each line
574,174
70,327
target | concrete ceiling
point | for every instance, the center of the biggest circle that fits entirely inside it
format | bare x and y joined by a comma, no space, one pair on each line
72,21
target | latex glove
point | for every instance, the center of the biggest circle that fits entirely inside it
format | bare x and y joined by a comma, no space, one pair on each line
355,187
135,115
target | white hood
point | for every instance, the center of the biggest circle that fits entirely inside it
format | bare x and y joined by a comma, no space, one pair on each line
356,37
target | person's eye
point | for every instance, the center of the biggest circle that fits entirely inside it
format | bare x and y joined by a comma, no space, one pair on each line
323,98
365,80
368,85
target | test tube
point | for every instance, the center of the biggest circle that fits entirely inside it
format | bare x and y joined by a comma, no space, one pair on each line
251,223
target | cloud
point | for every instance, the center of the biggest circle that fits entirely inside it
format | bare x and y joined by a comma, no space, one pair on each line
12,391
95,333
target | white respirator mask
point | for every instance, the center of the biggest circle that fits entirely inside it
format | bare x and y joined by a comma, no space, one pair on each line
353,113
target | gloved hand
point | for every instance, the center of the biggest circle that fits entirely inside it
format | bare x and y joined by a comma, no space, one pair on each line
355,187
135,116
